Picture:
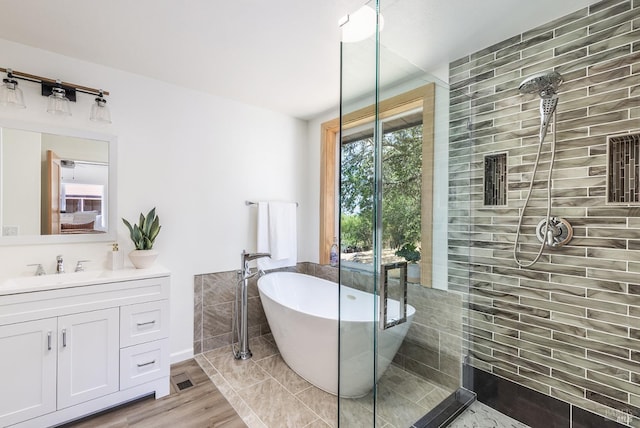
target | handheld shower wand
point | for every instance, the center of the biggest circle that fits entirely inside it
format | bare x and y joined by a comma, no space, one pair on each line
547,108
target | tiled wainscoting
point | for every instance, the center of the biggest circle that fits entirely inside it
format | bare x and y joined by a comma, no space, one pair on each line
432,348
568,327
214,294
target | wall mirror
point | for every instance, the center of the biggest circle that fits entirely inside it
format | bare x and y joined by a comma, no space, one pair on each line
56,185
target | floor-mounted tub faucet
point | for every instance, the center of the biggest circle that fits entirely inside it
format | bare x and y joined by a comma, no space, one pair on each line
240,327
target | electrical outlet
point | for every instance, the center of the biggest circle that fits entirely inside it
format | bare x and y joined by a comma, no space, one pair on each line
10,230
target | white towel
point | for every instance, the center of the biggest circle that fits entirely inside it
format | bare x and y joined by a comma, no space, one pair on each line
277,234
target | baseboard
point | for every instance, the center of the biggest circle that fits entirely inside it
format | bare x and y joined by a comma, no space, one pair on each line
177,357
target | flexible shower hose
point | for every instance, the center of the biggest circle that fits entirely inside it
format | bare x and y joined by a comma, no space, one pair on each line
526,202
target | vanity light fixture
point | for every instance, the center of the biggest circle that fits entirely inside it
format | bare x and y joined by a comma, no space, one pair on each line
99,110
60,95
10,94
58,103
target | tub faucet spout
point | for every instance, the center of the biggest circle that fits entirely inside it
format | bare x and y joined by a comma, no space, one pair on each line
246,258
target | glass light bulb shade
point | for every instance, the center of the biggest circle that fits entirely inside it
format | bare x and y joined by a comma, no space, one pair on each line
11,95
100,112
58,103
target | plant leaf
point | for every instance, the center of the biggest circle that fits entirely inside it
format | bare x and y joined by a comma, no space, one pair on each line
154,229
149,221
141,221
137,237
128,226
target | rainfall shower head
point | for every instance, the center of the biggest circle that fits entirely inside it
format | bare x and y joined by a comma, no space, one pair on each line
545,85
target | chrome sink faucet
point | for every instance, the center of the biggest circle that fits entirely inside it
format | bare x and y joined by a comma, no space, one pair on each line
59,264
80,265
39,269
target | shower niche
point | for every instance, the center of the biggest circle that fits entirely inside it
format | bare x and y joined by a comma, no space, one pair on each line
495,179
623,169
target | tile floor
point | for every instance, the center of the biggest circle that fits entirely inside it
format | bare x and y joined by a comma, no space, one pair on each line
480,415
266,393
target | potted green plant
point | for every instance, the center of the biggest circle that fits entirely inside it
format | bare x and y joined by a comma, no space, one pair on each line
143,236
412,255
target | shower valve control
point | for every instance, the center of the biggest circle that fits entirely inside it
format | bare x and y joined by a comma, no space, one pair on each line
556,233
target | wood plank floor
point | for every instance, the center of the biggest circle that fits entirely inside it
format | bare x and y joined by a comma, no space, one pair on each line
198,406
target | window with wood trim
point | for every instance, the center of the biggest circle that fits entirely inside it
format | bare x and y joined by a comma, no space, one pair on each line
418,99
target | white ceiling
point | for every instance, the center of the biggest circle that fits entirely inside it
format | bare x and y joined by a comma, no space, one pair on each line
281,54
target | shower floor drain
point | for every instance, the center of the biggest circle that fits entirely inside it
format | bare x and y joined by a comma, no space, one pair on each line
181,381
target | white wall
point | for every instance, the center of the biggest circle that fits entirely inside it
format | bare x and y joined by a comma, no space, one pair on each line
194,156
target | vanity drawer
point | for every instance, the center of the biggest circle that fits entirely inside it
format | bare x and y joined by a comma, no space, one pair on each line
143,363
144,322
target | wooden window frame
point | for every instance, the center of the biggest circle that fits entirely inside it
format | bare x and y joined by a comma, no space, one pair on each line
422,97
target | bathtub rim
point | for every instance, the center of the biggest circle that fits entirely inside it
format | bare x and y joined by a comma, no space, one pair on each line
411,310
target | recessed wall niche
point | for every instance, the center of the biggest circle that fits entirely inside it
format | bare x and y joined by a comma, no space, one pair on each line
495,179
623,168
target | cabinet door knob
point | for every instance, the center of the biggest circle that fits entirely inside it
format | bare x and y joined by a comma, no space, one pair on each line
64,337
147,364
49,341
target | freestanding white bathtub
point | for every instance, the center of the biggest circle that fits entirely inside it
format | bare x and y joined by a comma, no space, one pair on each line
302,312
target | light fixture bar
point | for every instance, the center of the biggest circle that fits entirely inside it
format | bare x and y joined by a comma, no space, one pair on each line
54,82
70,91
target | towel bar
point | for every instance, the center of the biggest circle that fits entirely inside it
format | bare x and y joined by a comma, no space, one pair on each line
255,203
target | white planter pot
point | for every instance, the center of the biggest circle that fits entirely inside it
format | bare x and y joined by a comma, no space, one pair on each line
143,259
413,273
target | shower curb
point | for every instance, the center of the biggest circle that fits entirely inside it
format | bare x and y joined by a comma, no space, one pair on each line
449,409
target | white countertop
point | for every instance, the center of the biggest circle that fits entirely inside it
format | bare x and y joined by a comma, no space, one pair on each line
29,284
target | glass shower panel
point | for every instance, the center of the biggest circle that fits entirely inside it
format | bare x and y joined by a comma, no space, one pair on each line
356,226
401,352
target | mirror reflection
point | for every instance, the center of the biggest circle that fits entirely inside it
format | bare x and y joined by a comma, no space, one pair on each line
53,184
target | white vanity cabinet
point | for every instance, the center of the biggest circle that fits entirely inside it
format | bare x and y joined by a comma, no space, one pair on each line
70,351
28,370
87,356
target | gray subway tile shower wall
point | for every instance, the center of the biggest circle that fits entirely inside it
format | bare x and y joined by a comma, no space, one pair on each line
568,327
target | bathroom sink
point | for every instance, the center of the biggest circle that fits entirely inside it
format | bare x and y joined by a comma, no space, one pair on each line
29,283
